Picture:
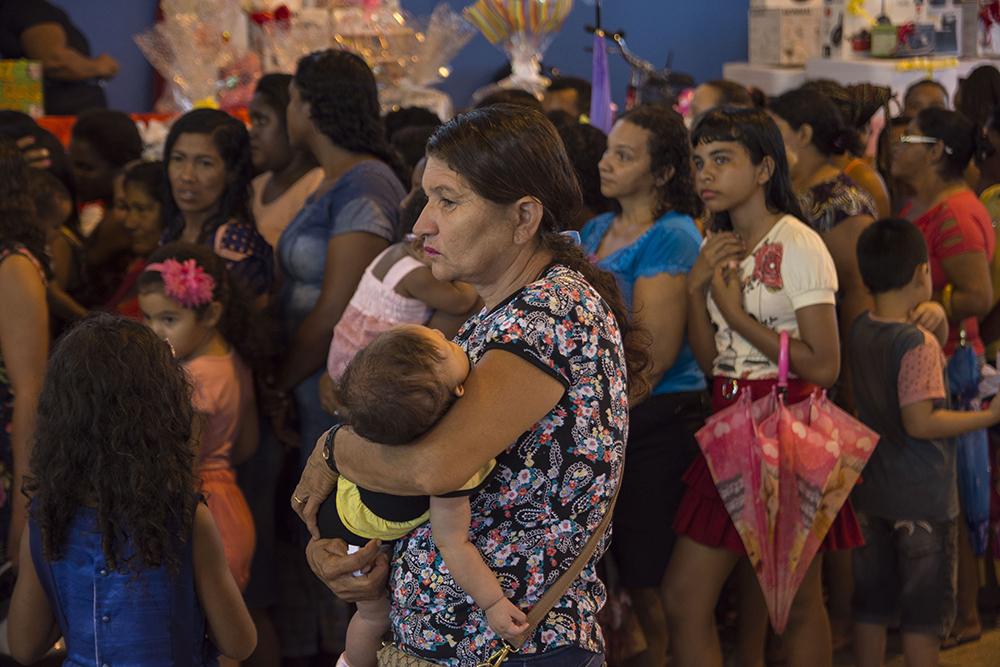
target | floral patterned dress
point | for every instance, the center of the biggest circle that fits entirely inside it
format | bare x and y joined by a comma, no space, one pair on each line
550,488
7,416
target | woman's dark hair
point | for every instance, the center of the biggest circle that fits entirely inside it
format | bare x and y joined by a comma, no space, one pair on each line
830,135
585,145
148,176
46,192
757,133
731,93
273,88
112,134
959,135
411,143
15,125
506,152
514,96
883,155
113,432
17,208
669,148
856,103
343,103
979,94
239,325
889,252
934,83
231,139
401,119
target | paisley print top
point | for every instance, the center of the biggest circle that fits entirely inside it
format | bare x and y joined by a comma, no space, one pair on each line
550,488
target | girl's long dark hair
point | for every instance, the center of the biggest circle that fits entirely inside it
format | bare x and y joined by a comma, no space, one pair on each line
17,209
755,131
240,324
668,148
343,102
114,431
506,152
232,140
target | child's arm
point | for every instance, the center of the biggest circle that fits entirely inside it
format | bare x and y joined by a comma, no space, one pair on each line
31,625
455,298
922,420
931,316
450,518
229,624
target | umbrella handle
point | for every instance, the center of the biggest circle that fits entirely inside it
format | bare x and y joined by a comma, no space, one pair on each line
783,361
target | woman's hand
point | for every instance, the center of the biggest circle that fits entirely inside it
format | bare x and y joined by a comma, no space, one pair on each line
507,620
727,291
329,561
315,486
720,248
37,157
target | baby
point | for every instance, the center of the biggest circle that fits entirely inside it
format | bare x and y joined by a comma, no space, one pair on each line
392,392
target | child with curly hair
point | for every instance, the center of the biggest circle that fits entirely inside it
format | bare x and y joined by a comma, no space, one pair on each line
119,557
187,298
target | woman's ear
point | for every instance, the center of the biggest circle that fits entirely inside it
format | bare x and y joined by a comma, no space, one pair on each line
213,314
804,134
765,170
529,216
665,176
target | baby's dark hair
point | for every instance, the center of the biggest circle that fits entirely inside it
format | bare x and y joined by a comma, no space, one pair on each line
47,191
114,431
392,391
239,325
889,251
410,213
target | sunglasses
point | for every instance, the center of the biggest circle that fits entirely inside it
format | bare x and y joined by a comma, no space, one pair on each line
921,139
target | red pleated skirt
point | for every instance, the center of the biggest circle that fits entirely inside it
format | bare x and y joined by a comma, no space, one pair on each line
702,516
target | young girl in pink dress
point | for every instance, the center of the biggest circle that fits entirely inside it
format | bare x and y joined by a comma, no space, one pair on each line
187,298
396,288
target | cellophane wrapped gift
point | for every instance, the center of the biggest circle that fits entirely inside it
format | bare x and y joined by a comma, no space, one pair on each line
196,51
523,29
447,33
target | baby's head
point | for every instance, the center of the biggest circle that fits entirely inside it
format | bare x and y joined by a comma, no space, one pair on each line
395,389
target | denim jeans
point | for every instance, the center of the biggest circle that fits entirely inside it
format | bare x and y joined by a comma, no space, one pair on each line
565,656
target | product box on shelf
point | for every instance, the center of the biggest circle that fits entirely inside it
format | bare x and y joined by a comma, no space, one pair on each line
981,29
846,26
784,4
21,86
785,37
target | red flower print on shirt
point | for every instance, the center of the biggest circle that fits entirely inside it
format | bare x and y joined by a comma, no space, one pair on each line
767,266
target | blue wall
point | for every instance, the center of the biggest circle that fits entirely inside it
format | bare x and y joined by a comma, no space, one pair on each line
701,35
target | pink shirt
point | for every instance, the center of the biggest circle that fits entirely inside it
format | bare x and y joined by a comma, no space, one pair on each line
223,389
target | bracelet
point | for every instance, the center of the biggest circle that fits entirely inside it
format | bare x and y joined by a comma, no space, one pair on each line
946,299
328,448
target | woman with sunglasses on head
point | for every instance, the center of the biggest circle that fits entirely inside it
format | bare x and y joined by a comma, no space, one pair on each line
931,157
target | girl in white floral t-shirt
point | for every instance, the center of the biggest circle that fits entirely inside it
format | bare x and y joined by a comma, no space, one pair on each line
761,271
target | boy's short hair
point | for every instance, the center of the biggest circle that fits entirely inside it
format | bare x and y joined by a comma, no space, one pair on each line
392,391
889,252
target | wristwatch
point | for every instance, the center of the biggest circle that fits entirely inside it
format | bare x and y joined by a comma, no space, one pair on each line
328,448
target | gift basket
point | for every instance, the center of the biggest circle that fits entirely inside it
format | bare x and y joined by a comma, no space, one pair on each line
203,62
523,29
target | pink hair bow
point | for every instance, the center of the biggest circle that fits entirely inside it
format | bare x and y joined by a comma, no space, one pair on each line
185,282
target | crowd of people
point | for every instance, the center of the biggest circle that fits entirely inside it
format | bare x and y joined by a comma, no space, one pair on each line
459,349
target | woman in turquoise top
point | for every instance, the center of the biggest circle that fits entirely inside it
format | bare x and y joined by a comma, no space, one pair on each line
650,243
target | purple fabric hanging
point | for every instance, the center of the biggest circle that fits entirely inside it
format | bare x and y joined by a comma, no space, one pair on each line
600,96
